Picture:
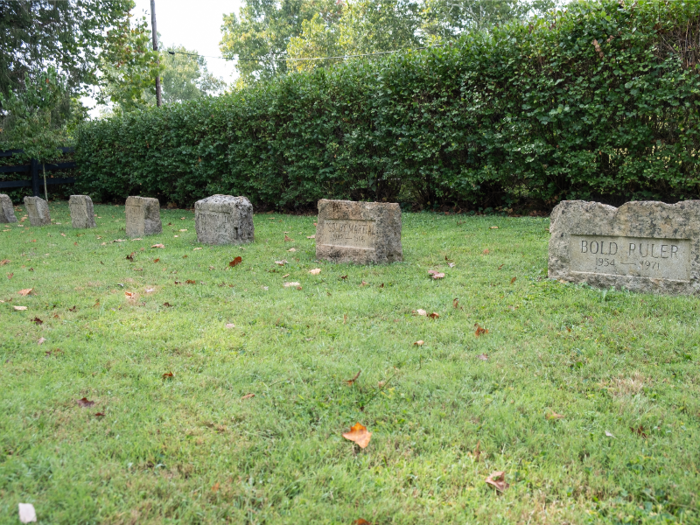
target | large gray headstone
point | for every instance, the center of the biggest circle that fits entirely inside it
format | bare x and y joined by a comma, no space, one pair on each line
82,213
7,211
644,246
38,211
358,232
142,216
224,219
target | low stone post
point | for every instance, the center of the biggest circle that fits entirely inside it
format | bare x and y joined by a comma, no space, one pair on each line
224,219
82,212
7,211
142,217
38,211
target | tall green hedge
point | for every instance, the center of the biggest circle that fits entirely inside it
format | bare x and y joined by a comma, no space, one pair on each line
598,101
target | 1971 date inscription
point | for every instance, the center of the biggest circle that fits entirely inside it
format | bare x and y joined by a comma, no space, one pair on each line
633,256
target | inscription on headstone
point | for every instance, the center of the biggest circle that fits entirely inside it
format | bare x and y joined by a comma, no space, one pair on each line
82,212
7,211
643,246
142,216
38,211
224,219
358,232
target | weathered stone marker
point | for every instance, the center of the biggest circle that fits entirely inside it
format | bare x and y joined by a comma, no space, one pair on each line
358,232
7,211
224,219
142,217
38,211
644,246
82,213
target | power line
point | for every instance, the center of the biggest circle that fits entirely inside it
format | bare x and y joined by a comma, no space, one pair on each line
282,55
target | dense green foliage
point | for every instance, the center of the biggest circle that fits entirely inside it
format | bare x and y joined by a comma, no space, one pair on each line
599,101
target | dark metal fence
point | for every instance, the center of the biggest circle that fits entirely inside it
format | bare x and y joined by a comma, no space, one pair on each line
34,170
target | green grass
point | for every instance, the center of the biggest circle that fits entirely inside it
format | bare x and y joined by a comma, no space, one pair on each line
190,450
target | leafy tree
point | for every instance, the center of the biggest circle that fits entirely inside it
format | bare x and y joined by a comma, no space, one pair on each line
185,77
259,36
66,35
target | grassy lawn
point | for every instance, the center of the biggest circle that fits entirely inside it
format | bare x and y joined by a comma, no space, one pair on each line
621,368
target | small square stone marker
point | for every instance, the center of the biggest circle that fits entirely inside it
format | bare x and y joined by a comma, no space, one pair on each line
7,211
644,246
38,211
82,213
358,232
142,216
224,219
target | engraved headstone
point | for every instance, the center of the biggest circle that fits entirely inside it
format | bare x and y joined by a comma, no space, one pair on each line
224,219
358,232
7,211
38,211
644,246
82,213
142,216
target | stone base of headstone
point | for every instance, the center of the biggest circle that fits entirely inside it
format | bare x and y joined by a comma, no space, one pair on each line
644,246
224,219
7,211
142,217
38,211
82,212
358,232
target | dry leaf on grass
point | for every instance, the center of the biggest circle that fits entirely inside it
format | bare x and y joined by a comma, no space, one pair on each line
236,262
168,375
184,230
27,513
281,263
419,343
130,257
498,481
10,275
609,434
287,239
351,381
311,237
26,291
358,433
230,325
361,521
195,249
292,250
455,302
167,305
41,341
129,295
99,414
422,312
493,227
38,321
156,260
486,251
190,281
434,315
158,246
4,262
554,415
480,331
315,271
639,431
20,308
513,280
247,396
483,357
451,265
85,403
363,283
149,290
289,285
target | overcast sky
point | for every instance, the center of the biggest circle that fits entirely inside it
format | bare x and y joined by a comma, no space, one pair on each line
195,25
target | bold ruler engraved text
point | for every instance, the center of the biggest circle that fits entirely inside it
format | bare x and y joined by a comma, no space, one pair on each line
349,234
655,258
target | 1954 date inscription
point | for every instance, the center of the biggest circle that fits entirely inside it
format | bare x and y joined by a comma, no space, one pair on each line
633,256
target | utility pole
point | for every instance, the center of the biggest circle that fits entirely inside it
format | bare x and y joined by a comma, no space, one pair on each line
154,32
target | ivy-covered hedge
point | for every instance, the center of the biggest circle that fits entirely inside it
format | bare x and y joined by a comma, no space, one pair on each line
598,101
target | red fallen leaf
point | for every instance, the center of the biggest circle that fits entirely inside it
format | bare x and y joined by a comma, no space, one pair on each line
75,244
178,282
170,224
455,302
480,331
483,357
236,262
343,277
33,240
130,257
36,320
30,270
498,481
4,262
513,280
361,521
85,403
167,304
351,381
298,287
287,239
247,396
72,309
185,256
156,260
381,285
434,315
419,343
358,433
9,275
168,375
363,283
99,414
26,291
486,251
129,294
190,281
216,486
639,431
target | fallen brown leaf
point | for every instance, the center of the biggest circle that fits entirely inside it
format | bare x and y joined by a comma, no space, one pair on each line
10,275
422,312
26,291
85,403
38,321
361,521
483,357
41,341
20,308
292,250
351,381
190,281
513,280
287,239
247,396
343,277
498,481
238,260
480,331
168,375
639,431
168,305
230,325
311,237
434,315
215,487
158,246
281,263
493,227
358,433
129,295
4,262
315,271
156,260
419,343
363,283
99,414
455,303
289,285
130,257
501,266
486,251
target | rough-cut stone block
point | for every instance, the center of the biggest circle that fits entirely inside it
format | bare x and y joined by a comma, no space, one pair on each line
7,211
358,232
142,217
82,213
642,246
38,211
224,219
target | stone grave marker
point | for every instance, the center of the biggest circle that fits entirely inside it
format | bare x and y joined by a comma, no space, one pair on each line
82,213
643,246
38,211
7,211
358,232
224,219
142,217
